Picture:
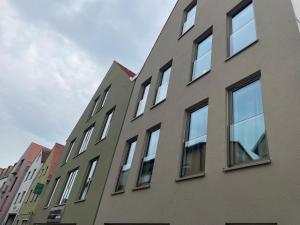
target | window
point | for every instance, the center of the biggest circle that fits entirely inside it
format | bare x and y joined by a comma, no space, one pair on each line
33,173
42,172
143,99
195,145
29,196
70,150
243,30
202,63
86,139
189,17
163,87
68,187
106,125
95,106
53,191
17,198
23,194
126,165
28,174
104,98
45,171
148,160
247,126
88,179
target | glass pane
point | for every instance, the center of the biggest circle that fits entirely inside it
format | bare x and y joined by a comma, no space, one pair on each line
105,97
242,18
204,47
193,159
202,65
188,24
146,172
122,180
154,137
198,124
243,37
247,102
247,131
166,76
161,93
192,12
130,155
107,125
142,103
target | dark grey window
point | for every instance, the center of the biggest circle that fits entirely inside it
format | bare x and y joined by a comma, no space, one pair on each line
189,17
163,86
202,63
142,102
86,139
88,179
33,173
126,165
243,29
68,187
106,125
149,158
247,128
70,150
195,145
52,192
105,95
95,106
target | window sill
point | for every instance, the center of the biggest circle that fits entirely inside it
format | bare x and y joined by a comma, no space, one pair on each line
80,201
142,187
157,104
183,34
101,140
79,154
244,166
180,179
240,51
135,118
198,78
117,193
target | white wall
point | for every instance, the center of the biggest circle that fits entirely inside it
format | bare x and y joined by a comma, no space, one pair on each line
296,4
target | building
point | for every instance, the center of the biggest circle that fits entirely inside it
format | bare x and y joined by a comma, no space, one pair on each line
3,179
14,180
31,201
31,174
211,135
75,191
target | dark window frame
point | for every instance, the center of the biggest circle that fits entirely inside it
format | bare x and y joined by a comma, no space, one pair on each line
70,149
141,95
53,190
112,110
62,190
82,139
184,17
104,97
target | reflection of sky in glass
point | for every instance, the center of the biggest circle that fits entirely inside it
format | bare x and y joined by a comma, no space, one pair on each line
153,143
248,117
198,123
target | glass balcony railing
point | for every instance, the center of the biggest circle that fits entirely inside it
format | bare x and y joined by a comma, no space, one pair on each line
161,93
202,65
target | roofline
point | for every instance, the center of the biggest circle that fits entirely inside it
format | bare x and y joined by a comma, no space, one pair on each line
125,69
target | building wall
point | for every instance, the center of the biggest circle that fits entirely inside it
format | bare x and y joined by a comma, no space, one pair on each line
15,178
84,212
259,194
28,208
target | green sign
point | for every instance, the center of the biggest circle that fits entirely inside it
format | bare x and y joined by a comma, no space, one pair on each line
38,189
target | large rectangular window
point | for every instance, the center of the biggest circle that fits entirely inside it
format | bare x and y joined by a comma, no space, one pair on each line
52,192
70,149
143,99
86,139
193,161
163,86
202,63
243,29
247,125
88,179
106,125
189,17
149,158
126,165
68,187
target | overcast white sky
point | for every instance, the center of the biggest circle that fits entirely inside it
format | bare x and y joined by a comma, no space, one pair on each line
53,55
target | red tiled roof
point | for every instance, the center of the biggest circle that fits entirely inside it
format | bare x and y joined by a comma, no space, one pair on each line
56,154
126,70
